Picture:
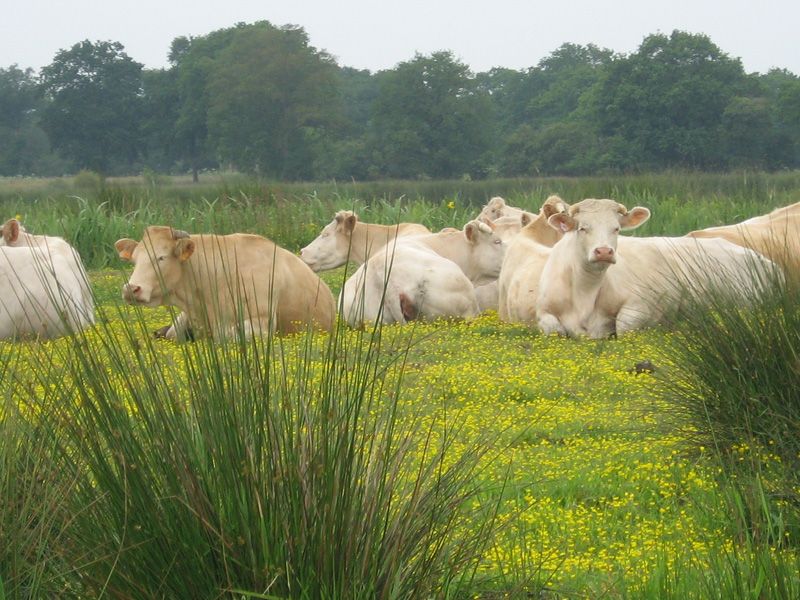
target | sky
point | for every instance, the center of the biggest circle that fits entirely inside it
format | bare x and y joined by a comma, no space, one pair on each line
378,34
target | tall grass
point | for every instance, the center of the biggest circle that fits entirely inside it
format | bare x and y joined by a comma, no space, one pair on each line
262,467
33,489
93,217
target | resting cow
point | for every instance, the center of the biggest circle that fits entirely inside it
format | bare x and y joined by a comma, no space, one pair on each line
425,276
48,272
497,208
346,238
775,235
589,288
220,281
526,256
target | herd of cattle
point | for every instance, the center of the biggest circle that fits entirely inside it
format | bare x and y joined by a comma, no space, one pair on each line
565,269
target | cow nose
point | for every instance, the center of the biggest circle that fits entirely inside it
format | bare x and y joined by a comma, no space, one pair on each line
131,292
604,253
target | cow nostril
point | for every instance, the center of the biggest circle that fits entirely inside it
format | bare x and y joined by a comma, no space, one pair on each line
136,289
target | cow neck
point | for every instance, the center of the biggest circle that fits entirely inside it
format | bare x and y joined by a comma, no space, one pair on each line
540,232
191,287
452,245
368,238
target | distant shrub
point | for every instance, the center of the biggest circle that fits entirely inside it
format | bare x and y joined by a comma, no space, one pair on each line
87,180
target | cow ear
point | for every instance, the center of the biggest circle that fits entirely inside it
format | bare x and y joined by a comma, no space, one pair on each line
350,223
11,231
562,222
125,248
635,217
469,231
184,248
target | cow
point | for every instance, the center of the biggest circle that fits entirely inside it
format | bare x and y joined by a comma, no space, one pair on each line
497,208
220,281
346,238
775,235
68,269
425,276
41,295
596,283
526,256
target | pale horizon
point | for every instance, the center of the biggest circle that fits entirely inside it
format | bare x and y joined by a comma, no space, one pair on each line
376,35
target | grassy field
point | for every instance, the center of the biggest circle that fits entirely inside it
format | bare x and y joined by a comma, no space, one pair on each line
468,459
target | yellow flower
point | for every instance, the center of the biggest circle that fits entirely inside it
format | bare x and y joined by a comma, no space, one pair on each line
451,204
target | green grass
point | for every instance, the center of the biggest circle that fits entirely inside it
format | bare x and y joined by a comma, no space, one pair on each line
93,214
468,459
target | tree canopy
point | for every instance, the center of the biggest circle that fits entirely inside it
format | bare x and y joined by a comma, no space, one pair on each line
262,99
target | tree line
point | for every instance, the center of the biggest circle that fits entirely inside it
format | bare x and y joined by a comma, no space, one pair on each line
261,99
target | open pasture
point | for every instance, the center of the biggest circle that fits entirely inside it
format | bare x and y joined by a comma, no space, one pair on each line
449,459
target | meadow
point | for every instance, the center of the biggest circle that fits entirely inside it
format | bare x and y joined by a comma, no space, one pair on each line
471,459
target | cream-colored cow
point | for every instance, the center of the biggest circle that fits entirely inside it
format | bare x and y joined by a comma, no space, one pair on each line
497,208
596,283
346,238
526,256
220,281
775,235
64,268
425,276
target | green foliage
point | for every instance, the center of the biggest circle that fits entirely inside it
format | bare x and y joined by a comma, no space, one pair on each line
668,99
429,119
737,378
270,96
249,467
95,101
94,213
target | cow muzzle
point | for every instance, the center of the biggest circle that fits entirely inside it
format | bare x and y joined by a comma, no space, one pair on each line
134,294
604,254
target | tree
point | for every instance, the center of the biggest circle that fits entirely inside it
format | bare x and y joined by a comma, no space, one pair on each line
160,112
25,148
192,60
271,97
668,99
95,94
430,119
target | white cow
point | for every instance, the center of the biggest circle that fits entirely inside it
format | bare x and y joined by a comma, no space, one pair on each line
526,256
346,238
56,262
595,283
219,281
776,235
426,276
497,208
40,295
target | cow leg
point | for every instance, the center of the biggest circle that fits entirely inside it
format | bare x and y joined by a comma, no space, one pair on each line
549,323
633,316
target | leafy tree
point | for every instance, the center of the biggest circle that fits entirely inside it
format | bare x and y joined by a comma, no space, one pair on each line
668,99
271,98
160,113
94,114
193,60
430,119
25,148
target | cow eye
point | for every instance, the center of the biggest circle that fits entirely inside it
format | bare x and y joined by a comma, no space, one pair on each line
498,241
616,229
583,228
162,258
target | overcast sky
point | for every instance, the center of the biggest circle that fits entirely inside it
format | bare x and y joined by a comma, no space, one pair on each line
377,34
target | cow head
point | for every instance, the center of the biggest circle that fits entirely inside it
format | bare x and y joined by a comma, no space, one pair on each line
494,209
593,227
487,250
158,264
332,246
11,231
